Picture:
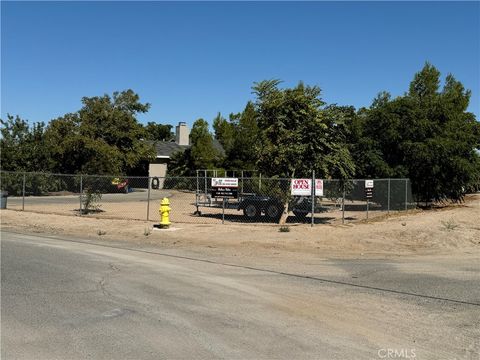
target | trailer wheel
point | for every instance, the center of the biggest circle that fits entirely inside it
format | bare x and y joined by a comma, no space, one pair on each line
155,183
251,211
273,211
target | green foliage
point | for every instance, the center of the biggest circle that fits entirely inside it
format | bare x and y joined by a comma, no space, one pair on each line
158,132
244,154
224,132
22,146
103,137
91,201
36,183
426,135
296,135
203,153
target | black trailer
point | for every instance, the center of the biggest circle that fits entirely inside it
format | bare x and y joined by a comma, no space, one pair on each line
253,204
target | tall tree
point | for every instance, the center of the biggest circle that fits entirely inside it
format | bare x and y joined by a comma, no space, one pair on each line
427,135
244,154
103,137
224,132
203,152
201,155
22,146
295,135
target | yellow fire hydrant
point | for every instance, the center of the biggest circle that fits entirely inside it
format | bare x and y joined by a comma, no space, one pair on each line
164,213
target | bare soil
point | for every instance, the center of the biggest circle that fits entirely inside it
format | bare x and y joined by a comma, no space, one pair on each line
454,228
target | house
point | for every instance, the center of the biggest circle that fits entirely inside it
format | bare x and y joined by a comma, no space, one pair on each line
165,149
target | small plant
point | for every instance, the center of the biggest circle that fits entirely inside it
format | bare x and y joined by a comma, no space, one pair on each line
450,225
101,232
284,229
91,201
147,231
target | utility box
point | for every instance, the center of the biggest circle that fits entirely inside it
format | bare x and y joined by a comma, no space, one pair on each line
3,199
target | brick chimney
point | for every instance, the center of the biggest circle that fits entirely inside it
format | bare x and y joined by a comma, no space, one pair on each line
182,134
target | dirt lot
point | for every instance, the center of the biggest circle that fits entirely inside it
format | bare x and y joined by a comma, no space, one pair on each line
135,206
442,231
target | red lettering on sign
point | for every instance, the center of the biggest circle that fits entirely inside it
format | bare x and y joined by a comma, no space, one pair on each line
301,184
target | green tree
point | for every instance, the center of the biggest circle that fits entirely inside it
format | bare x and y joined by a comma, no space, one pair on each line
201,155
296,136
158,132
103,137
23,146
426,135
244,155
224,132
203,152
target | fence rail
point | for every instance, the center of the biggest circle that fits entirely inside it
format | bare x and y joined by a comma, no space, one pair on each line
259,200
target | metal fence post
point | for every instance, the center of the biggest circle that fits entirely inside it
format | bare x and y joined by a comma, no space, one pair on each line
23,192
313,197
223,211
343,204
148,199
367,207
388,200
81,193
242,181
260,183
206,193
406,194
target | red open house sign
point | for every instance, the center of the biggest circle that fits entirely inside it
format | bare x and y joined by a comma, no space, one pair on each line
303,187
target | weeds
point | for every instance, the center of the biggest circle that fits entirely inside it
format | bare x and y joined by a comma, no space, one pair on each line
284,229
101,232
147,231
450,225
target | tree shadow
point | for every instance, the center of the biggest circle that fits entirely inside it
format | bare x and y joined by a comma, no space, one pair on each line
240,218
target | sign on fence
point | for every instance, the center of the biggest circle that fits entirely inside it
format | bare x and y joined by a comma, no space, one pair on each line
225,187
368,189
225,182
318,187
303,187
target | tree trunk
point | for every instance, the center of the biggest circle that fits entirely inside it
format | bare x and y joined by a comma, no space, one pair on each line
284,217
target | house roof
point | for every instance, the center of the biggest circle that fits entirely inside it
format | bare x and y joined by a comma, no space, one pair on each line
165,149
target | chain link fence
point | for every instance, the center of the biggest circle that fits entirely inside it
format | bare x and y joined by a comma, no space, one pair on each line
195,200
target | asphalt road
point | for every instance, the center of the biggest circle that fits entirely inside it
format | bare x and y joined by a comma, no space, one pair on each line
64,299
135,196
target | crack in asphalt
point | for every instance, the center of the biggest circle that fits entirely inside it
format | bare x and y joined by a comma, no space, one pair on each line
299,276
102,283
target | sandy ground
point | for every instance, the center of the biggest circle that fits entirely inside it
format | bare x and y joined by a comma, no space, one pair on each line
135,206
454,229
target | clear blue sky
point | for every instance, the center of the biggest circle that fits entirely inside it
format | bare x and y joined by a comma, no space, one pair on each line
191,60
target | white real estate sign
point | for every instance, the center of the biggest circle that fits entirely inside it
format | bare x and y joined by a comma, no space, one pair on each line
225,182
368,184
303,187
